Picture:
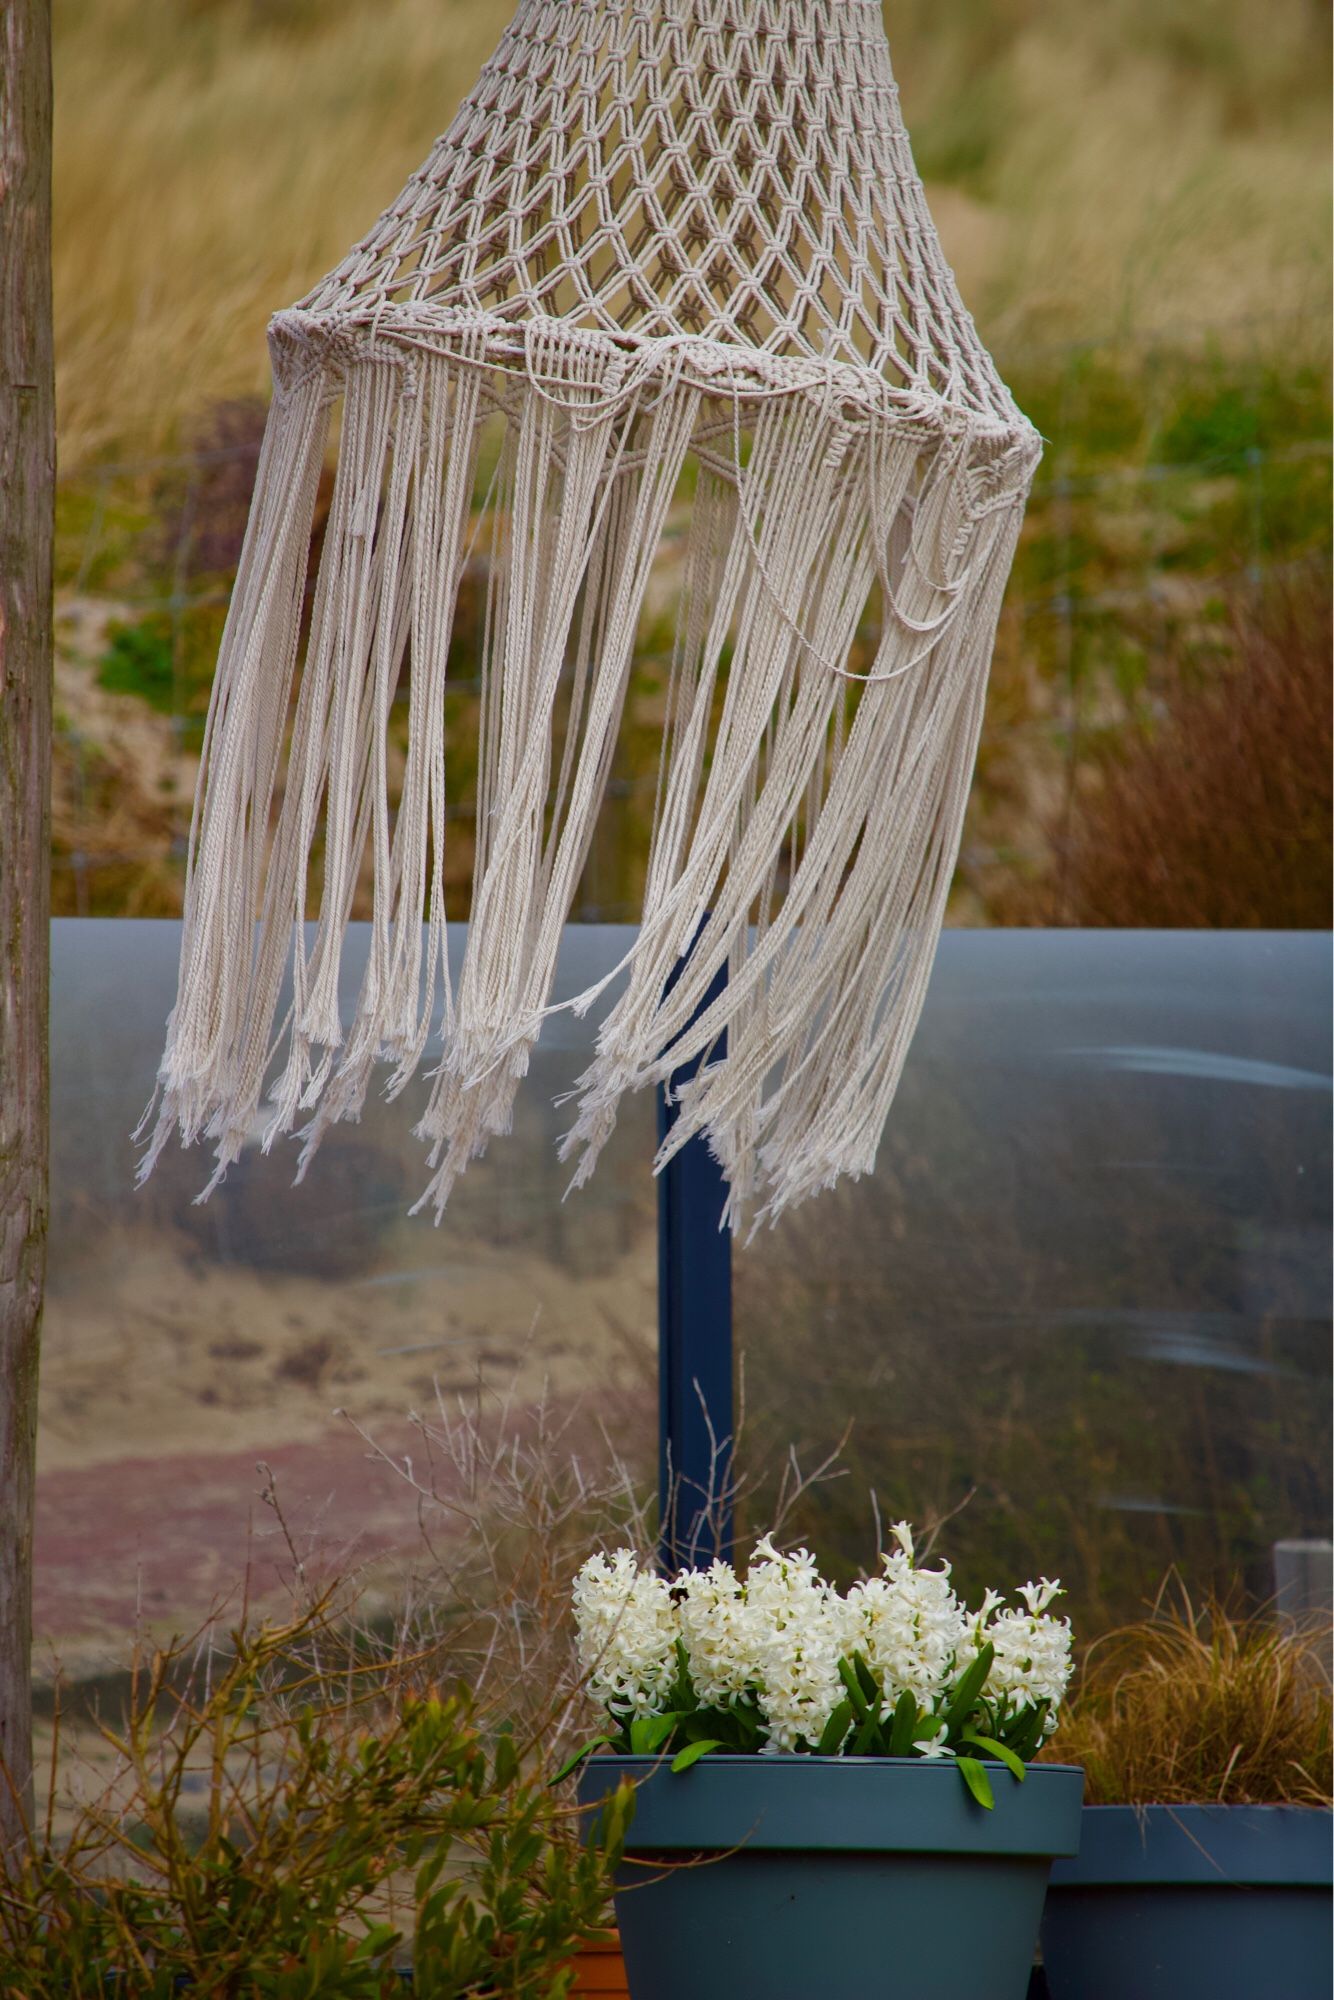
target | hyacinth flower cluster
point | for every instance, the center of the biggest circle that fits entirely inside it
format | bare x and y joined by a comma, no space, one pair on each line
778,1660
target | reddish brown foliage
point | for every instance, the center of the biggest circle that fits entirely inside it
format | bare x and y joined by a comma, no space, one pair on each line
1218,815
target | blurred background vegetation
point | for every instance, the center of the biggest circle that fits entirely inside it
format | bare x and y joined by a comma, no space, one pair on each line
1136,198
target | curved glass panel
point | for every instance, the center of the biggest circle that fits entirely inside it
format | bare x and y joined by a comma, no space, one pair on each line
185,1346
1085,1297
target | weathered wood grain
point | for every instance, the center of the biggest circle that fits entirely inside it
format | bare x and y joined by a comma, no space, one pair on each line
27,478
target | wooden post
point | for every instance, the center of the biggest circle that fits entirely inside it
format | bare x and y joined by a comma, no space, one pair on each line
27,488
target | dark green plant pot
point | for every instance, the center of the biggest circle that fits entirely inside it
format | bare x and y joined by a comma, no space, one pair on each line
859,1878
1193,1903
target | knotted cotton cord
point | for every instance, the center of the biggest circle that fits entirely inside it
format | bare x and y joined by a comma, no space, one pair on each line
657,232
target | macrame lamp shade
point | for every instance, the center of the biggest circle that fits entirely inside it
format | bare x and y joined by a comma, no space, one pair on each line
670,272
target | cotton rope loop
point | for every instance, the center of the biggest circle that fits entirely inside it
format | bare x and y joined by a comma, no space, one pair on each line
671,256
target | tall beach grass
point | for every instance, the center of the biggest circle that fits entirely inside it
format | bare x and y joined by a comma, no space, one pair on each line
1151,164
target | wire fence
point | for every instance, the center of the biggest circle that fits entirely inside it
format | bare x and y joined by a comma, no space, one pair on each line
1120,557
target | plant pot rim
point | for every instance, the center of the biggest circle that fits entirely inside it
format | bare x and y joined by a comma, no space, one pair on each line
1205,1845
795,1802
774,1759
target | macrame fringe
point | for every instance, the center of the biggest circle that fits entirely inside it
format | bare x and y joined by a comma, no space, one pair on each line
807,818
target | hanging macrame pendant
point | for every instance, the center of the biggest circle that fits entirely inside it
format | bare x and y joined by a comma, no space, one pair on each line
671,259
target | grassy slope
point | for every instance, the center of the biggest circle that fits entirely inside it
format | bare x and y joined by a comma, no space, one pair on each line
1141,163
1136,198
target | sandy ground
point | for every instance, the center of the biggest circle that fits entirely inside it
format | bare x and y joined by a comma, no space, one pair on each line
169,1379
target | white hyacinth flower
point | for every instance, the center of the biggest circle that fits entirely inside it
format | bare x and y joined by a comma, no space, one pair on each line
797,1629
929,1747
627,1631
716,1628
908,1624
775,1639
1034,1659
977,1624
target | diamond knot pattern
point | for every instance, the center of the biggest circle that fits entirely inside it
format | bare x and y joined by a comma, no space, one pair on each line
734,170
665,292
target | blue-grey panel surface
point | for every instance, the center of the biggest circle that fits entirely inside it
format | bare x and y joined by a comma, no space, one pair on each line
1086,1294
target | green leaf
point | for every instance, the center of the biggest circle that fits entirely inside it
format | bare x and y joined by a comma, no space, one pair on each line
682,1691
976,1780
903,1727
968,1690
1000,1751
379,1939
868,1740
618,1809
507,1760
835,1730
648,1733
748,1723
848,1676
1025,1734
430,1871
693,1752
577,1757
870,1685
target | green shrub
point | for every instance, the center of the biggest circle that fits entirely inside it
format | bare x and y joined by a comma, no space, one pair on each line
278,1830
139,660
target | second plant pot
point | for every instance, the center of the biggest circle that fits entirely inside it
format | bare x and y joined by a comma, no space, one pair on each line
873,1876
1192,1903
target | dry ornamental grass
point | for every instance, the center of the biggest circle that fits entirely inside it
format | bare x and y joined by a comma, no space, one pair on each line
1199,1707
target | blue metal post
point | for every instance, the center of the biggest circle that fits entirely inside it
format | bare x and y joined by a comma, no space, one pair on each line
695,1423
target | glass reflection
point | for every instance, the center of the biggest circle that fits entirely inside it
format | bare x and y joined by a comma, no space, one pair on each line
1084,1299
1085,1296
185,1344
